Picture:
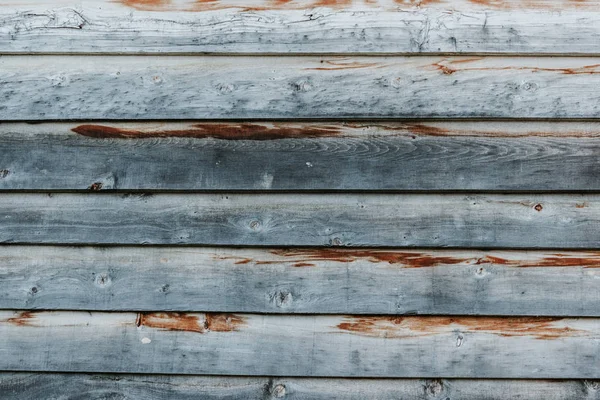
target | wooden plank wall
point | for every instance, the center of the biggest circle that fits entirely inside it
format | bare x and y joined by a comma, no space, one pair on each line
241,199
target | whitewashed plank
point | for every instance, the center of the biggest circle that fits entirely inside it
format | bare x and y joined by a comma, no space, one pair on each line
525,156
300,281
402,220
337,346
180,87
19,385
263,26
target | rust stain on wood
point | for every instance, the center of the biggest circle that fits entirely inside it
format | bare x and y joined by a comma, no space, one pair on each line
24,318
216,322
532,4
430,130
213,322
542,328
554,260
209,5
332,65
310,258
417,3
243,131
95,186
304,264
407,260
449,67
147,5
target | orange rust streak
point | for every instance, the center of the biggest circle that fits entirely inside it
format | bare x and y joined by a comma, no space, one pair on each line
338,65
531,4
304,264
408,260
209,5
422,260
25,318
171,322
448,69
215,131
405,327
214,322
428,130
224,322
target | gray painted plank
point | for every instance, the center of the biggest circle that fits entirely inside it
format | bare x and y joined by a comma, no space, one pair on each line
300,281
276,345
180,87
526,156
317,26
17,386
412,220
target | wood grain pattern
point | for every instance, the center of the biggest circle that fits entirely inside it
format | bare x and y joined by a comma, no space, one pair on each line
337,346
300,281
488,221
316,26
525,156
16,386
183,87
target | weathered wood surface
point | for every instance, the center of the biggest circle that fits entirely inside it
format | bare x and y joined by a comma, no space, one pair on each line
19,385
403,220
323,26
273,345
525,156
300,281
180,87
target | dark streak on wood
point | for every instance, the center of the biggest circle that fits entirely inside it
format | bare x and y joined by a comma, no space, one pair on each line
213,322
402,327
241,131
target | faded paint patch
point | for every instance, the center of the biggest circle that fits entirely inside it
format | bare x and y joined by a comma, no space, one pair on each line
213,322
215,131
542,328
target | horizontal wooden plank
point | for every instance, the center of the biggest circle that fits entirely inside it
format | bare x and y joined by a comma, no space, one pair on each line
403,220
19,385
180,87
275,345
294,26
300,281
525,156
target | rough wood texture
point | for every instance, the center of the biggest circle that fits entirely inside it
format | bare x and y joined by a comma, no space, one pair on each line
317,26
489,221
300,281
337,346
180,87
526,156
17,386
